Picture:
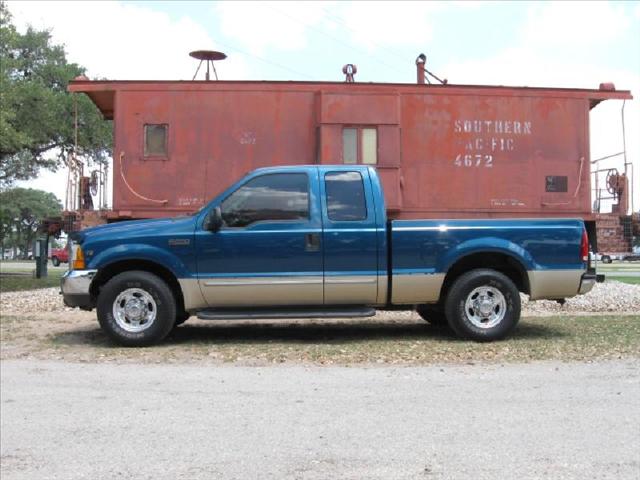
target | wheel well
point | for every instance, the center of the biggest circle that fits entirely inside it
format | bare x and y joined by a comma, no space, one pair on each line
107,273
500,262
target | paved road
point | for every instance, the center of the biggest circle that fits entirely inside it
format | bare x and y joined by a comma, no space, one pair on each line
106,421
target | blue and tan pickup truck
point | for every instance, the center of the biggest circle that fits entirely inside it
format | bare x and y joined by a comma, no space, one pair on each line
314,241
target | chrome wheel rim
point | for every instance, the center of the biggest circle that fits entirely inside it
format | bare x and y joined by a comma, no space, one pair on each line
485,307
134,310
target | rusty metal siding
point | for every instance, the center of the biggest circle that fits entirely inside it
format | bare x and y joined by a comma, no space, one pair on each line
469,154
451,151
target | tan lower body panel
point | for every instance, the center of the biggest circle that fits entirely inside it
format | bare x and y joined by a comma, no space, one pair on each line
407,289
351,290
269,291
262,291
554,283
193,299
383,288
416,288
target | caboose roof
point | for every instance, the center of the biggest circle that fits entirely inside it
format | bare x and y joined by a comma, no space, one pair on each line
102,92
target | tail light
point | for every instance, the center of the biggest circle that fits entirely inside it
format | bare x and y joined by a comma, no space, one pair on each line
584,247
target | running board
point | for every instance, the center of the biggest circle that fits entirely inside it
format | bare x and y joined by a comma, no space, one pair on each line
257,314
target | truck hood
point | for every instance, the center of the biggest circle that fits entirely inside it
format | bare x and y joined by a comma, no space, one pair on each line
135,228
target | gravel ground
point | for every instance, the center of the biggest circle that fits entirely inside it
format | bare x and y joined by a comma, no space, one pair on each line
608,297
600,325
64,420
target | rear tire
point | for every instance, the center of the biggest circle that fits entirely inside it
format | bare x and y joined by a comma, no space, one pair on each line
136,309
433,314
483,305
606,259
55,261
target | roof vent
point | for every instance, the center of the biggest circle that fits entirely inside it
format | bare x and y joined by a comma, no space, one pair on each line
349,71
208,56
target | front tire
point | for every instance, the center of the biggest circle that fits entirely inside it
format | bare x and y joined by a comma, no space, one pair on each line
483,305
136,309
55,261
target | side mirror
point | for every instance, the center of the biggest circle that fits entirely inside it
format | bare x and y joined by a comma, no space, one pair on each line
214,222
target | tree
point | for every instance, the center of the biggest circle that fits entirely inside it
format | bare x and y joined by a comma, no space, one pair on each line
21,213
36,111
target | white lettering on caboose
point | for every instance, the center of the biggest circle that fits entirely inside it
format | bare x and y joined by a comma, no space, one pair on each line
482,139
492,126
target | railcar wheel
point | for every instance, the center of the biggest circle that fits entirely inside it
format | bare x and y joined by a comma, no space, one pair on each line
483,305
136,309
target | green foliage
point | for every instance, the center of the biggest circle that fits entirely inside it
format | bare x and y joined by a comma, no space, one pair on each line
37,112
21,213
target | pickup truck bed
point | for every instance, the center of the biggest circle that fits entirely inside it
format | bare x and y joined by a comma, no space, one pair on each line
539,254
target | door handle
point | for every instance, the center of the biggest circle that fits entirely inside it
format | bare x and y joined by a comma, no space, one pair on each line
312,242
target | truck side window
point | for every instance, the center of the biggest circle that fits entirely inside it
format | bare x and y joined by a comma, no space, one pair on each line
270,197
345,196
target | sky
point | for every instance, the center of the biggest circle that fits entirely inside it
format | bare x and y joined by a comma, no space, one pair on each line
572,44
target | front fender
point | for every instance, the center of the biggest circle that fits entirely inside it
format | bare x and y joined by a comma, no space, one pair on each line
140,251
486,245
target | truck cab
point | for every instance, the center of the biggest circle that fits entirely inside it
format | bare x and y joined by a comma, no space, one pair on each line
314,241
295,237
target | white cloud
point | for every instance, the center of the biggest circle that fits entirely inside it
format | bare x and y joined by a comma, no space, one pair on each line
579,24
262,25
121,41
389,23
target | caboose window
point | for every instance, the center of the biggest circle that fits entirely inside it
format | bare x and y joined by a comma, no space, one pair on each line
350,145
155,140
369,146
360,145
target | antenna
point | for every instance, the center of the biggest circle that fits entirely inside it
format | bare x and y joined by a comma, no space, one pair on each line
208,56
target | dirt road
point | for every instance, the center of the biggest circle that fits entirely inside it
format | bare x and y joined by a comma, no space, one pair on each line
65,420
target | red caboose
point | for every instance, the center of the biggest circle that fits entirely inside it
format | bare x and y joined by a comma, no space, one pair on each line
442,151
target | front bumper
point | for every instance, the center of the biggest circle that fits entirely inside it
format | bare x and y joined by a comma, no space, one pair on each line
588,280
75,288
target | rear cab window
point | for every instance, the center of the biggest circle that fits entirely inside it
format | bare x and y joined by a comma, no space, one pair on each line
345,196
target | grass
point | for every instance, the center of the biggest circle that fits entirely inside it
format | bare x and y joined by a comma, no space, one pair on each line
402,342
26,281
